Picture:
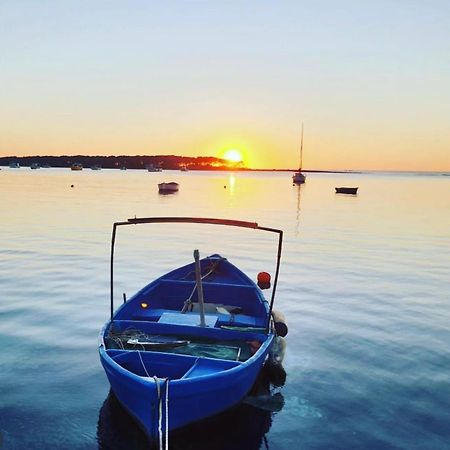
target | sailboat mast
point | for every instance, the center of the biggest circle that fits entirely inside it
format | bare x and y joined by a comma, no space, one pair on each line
301,151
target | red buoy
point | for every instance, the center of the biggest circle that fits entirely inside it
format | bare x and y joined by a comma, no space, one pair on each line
264,280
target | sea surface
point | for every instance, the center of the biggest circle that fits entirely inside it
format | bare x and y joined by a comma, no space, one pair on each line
364,284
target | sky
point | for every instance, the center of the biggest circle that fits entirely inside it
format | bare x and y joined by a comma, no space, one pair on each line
369,80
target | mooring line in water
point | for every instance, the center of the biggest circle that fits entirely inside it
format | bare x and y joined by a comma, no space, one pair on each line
167,413
163,438
159,409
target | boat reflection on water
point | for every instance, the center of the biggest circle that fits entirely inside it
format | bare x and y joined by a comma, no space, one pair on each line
242,427
299,188
116,429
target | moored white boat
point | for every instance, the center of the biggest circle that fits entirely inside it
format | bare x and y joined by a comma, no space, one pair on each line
298,178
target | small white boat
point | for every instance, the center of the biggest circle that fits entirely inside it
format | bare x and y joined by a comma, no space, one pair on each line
96,168
76,166
35,166
168,187
14,165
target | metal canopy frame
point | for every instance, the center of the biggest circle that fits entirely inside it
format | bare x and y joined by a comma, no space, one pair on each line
202,220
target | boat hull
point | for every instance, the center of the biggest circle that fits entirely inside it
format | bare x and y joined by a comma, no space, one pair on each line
346,190
190,399
298,178
168,187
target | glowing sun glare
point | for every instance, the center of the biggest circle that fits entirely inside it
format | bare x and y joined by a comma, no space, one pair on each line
233,155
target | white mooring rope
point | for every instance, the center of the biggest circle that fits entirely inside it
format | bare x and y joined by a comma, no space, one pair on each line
160,414
158,390
167,413
160,406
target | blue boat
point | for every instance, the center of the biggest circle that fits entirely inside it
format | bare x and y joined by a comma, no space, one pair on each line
191,343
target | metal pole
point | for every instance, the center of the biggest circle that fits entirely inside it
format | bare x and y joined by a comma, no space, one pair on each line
113,239
272,300
198,276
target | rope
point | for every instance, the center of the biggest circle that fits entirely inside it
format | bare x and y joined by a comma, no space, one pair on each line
142,362
188,303
158,390
167,414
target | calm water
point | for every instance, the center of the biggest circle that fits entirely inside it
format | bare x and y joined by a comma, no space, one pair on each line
365,284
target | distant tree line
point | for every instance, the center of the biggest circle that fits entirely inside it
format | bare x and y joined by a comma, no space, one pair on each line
130,162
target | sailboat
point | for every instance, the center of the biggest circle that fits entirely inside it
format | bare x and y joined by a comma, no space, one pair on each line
299,177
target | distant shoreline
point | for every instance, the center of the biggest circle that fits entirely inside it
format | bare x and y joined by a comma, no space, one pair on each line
165,162
172,162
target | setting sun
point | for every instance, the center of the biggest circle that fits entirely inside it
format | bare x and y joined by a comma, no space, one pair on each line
233,155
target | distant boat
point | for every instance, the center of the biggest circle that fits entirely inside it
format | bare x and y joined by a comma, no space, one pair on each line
96,168
299,177
14,165
168,187
184,168
35,166
346,190
123,168
152,168
76,166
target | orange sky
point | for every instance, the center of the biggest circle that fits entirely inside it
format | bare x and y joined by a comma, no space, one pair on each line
369,81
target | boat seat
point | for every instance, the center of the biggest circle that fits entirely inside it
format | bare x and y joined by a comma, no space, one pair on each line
152,327
210,308
216,308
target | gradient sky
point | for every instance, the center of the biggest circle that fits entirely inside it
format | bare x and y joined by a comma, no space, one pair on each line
370,80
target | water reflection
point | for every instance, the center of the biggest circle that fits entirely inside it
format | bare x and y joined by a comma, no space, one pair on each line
167,192
243,427
232,184
298,187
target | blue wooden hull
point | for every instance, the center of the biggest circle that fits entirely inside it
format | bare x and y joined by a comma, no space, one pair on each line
196,385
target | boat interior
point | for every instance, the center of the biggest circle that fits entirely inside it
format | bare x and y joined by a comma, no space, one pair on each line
173,367
230,305
157,332
178,351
